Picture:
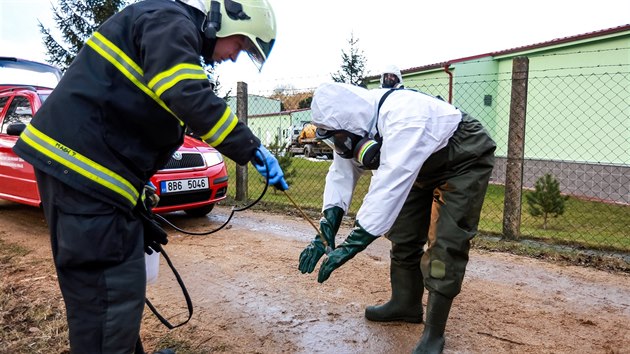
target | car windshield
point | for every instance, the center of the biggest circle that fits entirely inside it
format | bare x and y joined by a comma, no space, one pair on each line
24,72
43,97
25,77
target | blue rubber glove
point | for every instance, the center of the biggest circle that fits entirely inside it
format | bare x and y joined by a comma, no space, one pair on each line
356,242
328,227
273,170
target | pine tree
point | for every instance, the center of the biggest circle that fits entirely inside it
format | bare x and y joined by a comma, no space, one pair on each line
284,160
353,65
76,20
546,199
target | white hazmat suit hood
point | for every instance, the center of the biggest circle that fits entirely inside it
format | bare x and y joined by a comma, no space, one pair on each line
392,69
339,106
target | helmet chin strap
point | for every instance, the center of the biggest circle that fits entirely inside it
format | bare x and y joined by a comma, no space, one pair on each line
207,50
211,25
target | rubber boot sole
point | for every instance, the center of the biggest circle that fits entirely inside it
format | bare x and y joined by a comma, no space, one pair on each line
372,314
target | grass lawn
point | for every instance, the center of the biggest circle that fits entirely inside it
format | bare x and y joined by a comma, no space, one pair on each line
584,224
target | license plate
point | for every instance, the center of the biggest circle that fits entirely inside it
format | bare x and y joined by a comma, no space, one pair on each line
183,185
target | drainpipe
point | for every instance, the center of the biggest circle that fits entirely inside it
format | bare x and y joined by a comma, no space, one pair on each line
450,82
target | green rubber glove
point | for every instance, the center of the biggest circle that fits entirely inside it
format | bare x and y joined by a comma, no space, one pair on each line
328,227
356,242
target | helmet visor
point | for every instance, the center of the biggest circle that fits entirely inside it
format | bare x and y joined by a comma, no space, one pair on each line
258,52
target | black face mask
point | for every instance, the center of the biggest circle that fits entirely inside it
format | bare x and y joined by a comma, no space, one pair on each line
389,81
364,150
342,141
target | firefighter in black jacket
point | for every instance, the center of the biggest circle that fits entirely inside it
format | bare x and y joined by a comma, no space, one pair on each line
114,119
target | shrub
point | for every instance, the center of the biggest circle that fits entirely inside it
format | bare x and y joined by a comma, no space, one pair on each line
284,160
546,199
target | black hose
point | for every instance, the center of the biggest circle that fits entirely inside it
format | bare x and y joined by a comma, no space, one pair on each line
234,209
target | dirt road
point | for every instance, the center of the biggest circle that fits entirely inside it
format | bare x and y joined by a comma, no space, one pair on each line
249,296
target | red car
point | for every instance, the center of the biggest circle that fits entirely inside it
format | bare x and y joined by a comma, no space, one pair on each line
193,180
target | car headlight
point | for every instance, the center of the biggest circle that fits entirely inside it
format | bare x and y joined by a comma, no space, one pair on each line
212,158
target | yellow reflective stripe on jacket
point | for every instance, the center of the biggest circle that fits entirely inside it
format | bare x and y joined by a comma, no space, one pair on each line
222,129
167,79
125,65
79,163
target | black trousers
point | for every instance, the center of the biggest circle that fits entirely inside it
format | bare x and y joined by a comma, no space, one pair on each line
441,213
99,257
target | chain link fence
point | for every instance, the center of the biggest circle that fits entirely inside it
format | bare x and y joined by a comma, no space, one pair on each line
575,127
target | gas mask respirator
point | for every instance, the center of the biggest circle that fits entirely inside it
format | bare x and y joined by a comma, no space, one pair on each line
365,150
389,81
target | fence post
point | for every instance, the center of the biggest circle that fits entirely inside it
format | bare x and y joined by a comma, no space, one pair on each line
241,112
516,150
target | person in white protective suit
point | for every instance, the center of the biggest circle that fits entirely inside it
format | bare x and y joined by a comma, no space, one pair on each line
432,165
391,77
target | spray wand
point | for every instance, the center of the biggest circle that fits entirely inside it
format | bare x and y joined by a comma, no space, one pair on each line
328,248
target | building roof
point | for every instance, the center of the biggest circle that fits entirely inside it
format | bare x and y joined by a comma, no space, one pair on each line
281,113
550,43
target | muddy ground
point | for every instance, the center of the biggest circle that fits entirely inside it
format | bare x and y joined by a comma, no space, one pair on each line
249,297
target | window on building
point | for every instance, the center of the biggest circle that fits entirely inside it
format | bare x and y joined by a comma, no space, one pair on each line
487,100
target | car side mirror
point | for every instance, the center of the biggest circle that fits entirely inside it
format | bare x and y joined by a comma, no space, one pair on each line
15,128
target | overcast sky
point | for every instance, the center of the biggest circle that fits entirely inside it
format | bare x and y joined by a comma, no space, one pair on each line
407,33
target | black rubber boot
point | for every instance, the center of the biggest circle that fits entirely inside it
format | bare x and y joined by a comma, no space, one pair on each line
406,302
139,349
432,340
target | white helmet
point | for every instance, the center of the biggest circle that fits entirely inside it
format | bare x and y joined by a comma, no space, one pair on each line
253,19
391,69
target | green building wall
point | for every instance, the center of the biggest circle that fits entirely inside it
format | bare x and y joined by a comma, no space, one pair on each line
268,127
257,105
578,98
578,102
